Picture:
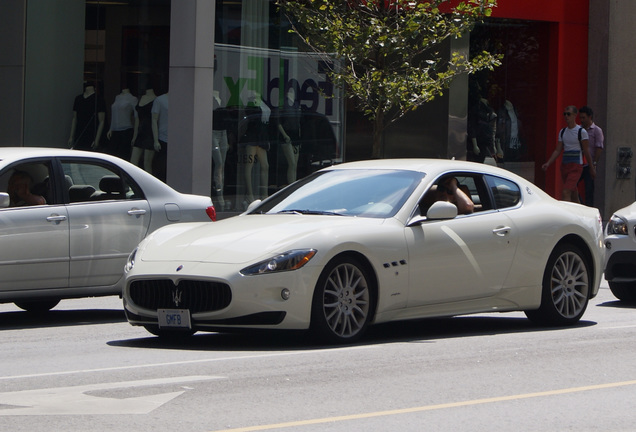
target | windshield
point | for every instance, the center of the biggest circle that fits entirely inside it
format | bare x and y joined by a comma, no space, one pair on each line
370,193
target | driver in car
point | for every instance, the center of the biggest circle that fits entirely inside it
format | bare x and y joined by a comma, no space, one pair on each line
19,189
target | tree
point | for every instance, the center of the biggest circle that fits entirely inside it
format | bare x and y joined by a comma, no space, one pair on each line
390,52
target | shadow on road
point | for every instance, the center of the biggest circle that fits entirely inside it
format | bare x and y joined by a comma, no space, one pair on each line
416,331
59,318
619,304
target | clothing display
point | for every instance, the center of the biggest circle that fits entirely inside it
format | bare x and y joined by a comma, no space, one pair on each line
508,126
482,126
144,139
160,107
87,109
123,112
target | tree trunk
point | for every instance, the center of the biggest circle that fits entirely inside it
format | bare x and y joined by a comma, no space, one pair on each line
378,132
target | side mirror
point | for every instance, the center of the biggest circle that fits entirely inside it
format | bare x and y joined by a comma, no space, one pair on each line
5,201
441,210
253,205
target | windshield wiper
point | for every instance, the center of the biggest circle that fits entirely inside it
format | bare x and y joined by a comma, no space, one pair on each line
311,212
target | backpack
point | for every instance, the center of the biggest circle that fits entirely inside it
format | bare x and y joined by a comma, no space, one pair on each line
563,131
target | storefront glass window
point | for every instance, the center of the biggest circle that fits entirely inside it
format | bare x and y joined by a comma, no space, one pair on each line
507,106
277,117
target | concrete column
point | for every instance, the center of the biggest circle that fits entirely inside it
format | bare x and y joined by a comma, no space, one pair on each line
190,96
12,22
611,90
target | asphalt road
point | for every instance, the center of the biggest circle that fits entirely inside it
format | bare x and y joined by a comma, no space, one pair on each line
83,368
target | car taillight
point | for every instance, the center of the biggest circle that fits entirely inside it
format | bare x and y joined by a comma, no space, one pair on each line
211,211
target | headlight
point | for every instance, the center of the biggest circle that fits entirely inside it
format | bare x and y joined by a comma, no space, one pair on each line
618,226
130,263
291,260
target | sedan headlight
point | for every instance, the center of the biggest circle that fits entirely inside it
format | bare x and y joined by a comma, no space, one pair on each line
130,262
291,260
618,226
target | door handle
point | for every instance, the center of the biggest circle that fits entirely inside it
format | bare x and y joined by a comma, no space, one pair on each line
501,231
56,218
136,212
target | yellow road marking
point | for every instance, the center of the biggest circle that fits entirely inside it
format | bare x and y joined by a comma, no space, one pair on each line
430,407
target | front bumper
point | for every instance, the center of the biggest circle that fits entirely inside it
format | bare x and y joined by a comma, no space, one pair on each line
218,296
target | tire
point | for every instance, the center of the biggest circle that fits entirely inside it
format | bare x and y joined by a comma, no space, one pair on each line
169,334
625,291
40,306
343,301
566,288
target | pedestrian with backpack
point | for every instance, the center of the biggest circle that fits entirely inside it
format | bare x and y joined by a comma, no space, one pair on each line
574,143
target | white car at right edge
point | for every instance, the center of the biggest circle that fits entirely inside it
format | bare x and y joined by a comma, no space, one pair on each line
620,259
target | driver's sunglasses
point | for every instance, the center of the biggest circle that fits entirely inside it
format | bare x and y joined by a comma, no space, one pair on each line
567,114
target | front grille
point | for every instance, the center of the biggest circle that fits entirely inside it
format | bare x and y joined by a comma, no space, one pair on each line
197,296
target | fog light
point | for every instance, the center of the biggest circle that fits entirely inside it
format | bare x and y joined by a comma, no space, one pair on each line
608,245
285,294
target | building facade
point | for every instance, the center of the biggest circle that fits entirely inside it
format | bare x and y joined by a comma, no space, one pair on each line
250,111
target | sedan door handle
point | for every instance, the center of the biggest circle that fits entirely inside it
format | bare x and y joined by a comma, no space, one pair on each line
56,218
136,212
501,231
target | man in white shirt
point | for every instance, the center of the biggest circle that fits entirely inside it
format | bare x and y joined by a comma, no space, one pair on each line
574,142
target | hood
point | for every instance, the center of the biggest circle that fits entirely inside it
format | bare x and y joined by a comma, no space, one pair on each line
244,239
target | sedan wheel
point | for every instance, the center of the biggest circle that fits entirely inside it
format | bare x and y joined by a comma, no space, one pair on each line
342,302
566,288
37,306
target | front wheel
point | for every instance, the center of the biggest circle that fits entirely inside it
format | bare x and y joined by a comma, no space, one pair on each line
566,288
343,301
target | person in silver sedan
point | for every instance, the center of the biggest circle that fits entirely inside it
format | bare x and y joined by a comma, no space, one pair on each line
19,189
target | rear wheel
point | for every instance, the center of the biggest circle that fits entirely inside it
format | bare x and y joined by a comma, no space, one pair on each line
37,306
566,288
625,291
343,301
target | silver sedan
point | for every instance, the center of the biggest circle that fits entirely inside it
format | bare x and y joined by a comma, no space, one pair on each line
69,219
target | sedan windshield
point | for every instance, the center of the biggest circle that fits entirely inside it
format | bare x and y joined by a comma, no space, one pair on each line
370,193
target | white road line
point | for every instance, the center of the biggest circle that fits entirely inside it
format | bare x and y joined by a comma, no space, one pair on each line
186,362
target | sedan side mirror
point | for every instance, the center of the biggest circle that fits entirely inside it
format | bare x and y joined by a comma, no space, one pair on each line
5,201
442,210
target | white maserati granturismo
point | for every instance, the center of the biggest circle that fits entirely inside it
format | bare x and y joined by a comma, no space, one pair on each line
370,242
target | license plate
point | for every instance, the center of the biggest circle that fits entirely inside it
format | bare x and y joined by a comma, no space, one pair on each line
174,318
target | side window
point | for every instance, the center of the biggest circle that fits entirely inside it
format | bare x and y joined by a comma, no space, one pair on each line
28,184
504,192
87,182
470,183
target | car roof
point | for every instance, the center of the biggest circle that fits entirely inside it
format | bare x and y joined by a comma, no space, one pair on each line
8,154
427,166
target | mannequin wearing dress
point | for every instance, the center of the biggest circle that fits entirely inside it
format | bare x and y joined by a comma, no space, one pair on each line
143,140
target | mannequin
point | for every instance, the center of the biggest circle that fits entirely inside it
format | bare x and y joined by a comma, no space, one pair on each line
219,147
508,131
256,146
290,131
160,134
89,114
482,127
122,123
143,141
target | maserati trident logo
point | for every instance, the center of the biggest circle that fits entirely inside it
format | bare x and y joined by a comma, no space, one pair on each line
179,268
176,296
